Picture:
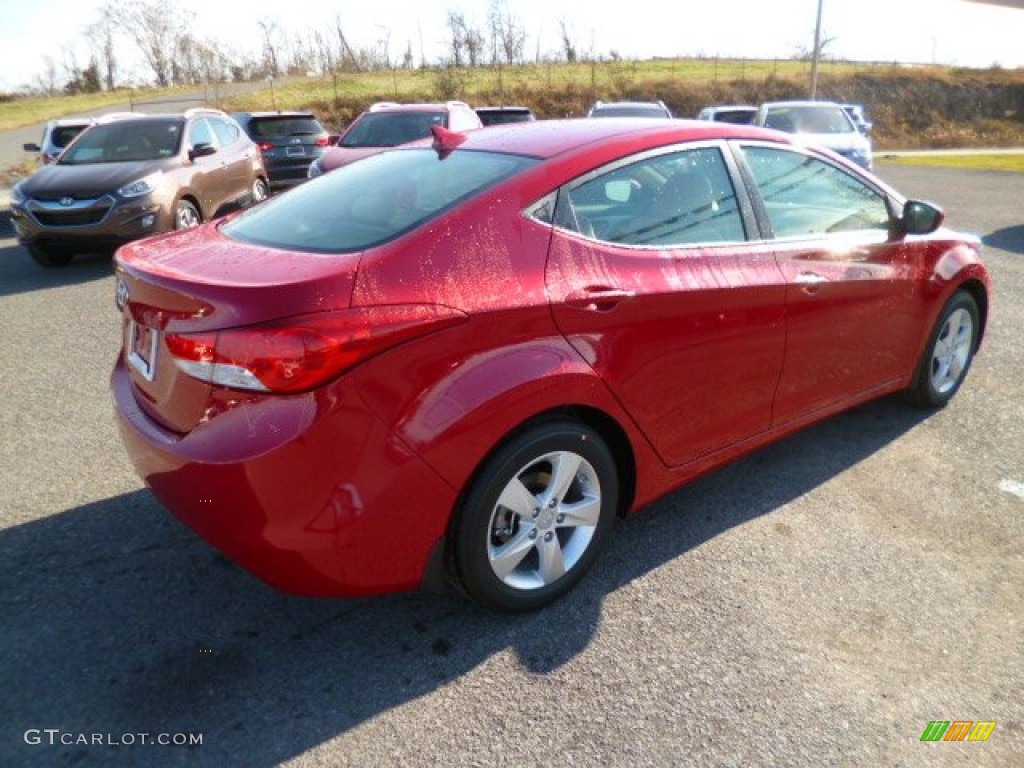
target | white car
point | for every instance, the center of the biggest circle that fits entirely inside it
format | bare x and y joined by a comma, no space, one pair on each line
823,123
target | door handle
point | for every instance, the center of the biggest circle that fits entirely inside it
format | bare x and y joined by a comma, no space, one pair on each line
810,278
811,281
598,298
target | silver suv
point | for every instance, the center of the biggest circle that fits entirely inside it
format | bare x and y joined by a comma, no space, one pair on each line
824,123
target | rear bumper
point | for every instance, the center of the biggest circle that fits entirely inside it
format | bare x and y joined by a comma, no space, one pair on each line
311,493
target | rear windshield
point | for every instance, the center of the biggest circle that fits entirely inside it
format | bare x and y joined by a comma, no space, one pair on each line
283,127
629,112
808,119
505,116
371,201
389,129
125,141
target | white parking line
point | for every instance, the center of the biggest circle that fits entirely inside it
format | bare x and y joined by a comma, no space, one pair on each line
1012,486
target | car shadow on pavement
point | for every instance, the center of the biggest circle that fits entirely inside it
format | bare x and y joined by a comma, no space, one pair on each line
118,620
1008,239
20,274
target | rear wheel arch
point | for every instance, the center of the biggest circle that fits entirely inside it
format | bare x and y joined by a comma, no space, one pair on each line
473,570
606,427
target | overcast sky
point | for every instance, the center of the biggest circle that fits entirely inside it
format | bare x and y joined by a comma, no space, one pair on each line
958,32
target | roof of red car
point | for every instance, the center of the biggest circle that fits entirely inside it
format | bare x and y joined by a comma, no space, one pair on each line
548,138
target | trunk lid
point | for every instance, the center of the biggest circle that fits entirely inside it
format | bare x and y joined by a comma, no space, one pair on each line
203,281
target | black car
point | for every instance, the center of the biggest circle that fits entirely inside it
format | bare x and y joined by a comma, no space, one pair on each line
289,141
503,115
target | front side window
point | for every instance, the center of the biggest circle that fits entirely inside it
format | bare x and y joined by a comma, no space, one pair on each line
807,196
667,200
372,201
201,133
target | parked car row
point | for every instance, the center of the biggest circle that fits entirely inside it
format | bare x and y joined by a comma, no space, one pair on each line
843,128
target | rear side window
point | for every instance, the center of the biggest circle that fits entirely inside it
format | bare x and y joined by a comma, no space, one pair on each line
62,135
227,133
807,196
669,200
372,201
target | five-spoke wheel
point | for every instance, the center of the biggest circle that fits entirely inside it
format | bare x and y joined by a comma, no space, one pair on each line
186,216
536,516
949,352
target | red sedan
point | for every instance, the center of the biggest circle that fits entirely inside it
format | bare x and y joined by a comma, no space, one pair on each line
468,356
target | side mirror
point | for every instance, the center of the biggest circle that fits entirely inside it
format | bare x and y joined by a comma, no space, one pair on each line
920,218
201,149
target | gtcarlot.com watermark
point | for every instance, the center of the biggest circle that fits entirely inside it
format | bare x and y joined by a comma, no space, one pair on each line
56,737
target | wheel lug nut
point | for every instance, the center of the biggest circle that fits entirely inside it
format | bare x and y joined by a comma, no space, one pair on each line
560,519
549,536
552,504
536,513
533,534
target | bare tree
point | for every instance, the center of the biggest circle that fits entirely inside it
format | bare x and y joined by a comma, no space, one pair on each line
324,53
270,46
508,38
345,54
456,37
568,48
46,80
475,43
101,37
154,26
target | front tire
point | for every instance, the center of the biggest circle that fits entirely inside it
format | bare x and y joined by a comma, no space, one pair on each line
949,353
536,517
186,216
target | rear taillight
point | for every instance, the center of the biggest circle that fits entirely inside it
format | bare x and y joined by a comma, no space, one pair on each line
323,142
301,353
265,146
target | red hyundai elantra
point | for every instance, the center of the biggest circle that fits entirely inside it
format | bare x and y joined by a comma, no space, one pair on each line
470,356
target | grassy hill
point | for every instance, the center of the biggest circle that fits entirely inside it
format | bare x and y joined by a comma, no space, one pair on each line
911,106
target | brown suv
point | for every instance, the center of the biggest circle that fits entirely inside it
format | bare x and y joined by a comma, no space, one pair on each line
135,177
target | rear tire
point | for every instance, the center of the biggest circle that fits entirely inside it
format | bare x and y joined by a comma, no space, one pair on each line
536,517
948,354
48,257
260,192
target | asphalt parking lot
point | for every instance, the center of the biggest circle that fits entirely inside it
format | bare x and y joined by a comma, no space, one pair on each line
816,604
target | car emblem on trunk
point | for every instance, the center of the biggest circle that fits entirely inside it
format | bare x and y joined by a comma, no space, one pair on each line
66,201
121,294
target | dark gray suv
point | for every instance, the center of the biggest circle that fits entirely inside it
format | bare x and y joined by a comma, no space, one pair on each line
289,141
